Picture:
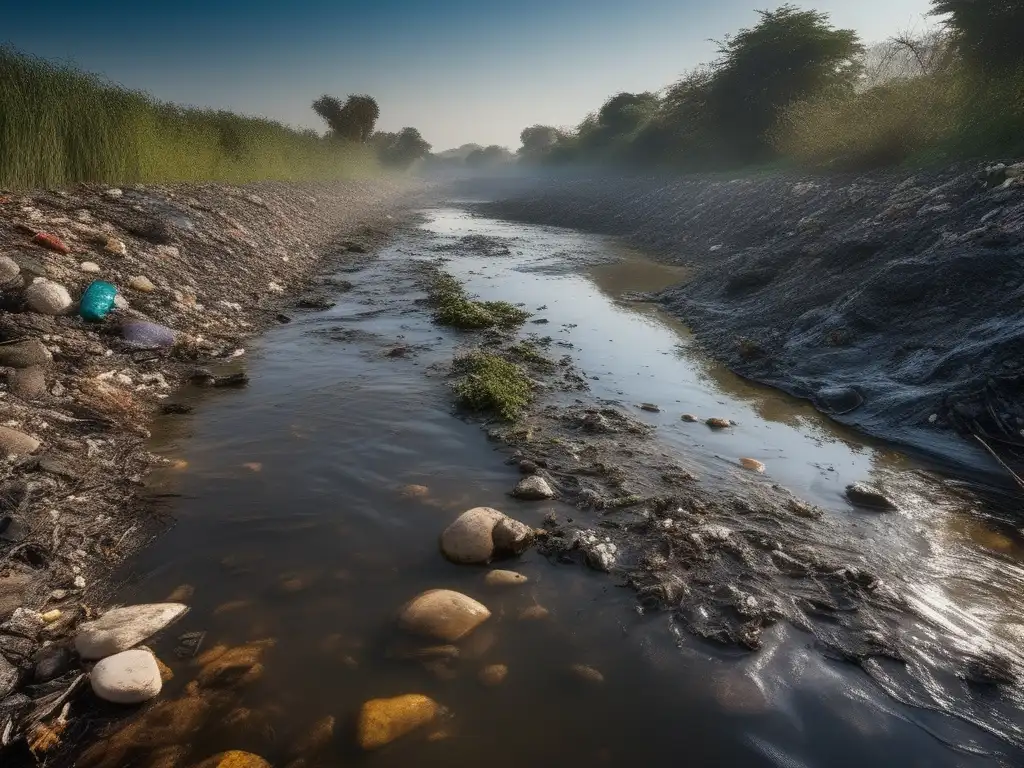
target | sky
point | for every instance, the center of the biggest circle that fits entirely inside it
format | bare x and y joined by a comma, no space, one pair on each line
460,71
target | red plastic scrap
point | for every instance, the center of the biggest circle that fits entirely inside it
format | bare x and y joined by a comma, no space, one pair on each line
52,242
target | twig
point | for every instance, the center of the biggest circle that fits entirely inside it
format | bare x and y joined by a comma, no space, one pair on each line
1002,463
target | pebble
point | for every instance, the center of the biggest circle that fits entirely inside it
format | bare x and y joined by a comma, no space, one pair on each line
716,423
141,283
650,408
415,491
27,383
129,677
689,418
442,614
499,578
47,298
9,269
586,673
115,247
15,443
234,759
113,192
753,465
534,613
24,354
492,675
863,495
274,287
381,721
168,251
482,533
121,628
89,266
533,488
50,662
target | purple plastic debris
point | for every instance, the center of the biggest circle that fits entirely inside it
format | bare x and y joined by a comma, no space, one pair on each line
139,333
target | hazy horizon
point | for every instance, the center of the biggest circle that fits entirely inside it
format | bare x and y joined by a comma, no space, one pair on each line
460,72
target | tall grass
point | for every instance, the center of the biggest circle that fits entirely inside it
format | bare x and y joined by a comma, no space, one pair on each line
951,113
59,126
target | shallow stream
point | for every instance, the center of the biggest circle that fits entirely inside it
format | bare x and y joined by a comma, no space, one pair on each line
293,525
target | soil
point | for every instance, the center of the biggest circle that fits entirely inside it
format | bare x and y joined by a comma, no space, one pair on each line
219,264
891,300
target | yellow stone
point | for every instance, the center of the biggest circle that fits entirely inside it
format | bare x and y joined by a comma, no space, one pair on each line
442,614
716,423
499,578
752,464
381,721
234,759
534,613
415,491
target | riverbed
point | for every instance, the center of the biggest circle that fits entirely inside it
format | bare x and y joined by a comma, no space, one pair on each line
295,524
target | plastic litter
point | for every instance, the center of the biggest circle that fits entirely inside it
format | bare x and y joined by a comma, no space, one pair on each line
98,300
52,242
139,333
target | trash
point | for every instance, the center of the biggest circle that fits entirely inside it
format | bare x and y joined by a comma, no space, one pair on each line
52,242
51,616
47,298
97,301
139,333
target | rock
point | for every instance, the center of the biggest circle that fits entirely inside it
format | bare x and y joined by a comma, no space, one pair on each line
27,383
482,533
231,667
315,302
528,467
650,408
533,488
30,266
863,495
141,283
586,674
534,613
442,614
9,677
113,193
716,423
15,443
753,465
50,662
499,578
25,354
9,269
47,298
121,628
24,623
381,721
689,418
13,530
17,649
89,266
115,247
130,677
415,491
492,675
234,759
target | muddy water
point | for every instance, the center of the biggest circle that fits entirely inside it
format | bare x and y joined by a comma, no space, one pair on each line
293,525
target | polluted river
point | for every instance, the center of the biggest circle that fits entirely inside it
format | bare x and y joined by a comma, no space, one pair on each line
307,509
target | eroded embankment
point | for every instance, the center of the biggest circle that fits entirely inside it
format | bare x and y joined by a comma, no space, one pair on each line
210,266
891,301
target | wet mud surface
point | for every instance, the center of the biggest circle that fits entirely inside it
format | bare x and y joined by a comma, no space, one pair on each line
733,616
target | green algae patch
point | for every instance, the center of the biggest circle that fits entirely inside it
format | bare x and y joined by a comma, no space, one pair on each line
488,383
528,353
452,307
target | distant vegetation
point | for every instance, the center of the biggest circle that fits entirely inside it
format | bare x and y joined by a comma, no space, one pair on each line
470,156
793,87
354,121
59,126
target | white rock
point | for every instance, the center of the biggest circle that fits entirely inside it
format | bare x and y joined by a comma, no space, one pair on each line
533,488
131,677
116,247
121,628
113,192
274,288
443,615
9,269
47,298
482,533
89,266
141,283
120,302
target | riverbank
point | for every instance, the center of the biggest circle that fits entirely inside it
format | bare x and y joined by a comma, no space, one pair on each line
199,269
891,300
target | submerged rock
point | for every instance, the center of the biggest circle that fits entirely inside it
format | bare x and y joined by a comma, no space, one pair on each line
131,677
689,418
863,495
586,673
121,628
381,721
234,759
753,465
499,578
492,675
717,423
533,488
481,534
534,613
442,614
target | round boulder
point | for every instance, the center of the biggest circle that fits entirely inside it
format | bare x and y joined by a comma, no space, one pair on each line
47,298
499,578
480,534
131,677
381,721
443,615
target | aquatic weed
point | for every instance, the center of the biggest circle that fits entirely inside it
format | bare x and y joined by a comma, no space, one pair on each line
454,308
490,383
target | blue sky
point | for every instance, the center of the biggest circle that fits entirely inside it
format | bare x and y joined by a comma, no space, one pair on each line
460,71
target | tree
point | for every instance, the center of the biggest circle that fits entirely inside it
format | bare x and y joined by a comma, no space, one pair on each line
354,120
789,55
402,149
988,33
623,113
488,157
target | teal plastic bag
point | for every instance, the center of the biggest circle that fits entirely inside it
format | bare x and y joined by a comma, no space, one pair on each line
97,300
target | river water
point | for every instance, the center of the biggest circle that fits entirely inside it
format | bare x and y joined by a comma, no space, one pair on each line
293,526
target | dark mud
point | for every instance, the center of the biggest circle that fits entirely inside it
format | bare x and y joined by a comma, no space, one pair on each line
890,301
